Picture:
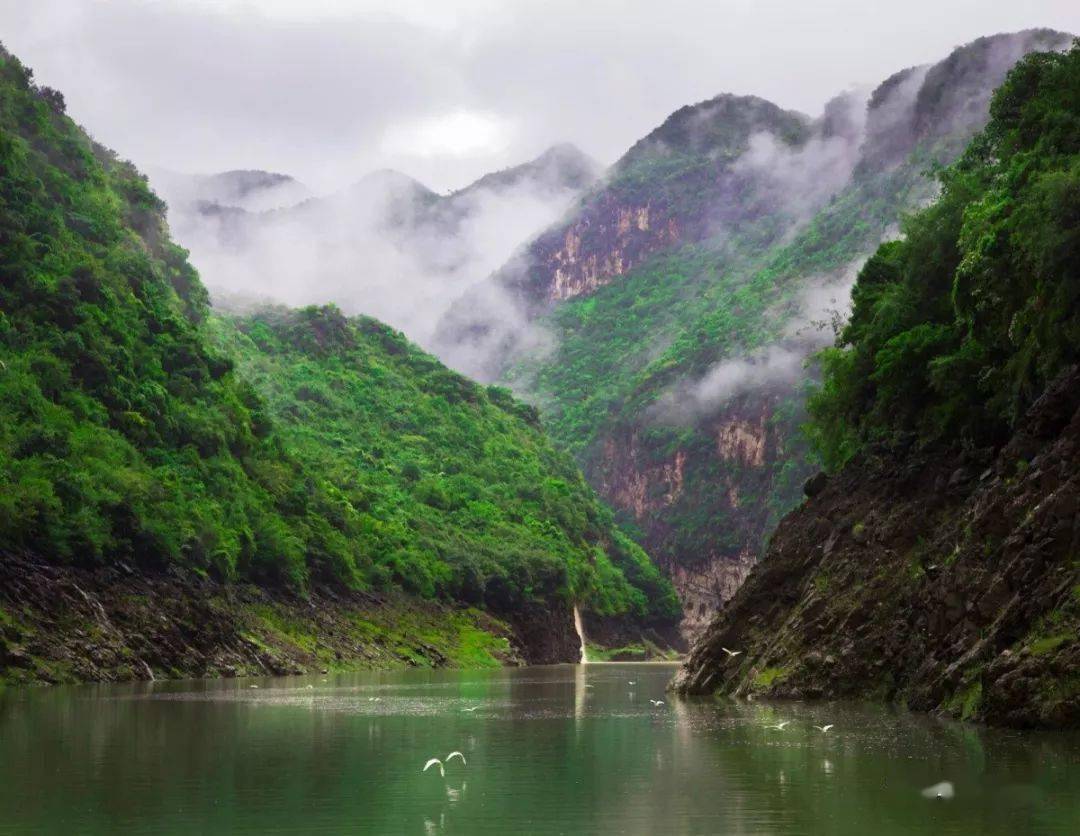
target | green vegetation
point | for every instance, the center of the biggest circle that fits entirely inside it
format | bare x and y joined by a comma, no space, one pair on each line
396,634
958,327
664,324
768,676
457,492
126,434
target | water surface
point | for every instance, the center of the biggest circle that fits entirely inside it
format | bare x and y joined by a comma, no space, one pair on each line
550,750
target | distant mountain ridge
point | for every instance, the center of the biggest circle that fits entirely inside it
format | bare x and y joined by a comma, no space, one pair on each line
386,245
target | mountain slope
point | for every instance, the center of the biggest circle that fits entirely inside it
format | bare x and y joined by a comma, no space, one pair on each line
129,443
677,375
938,566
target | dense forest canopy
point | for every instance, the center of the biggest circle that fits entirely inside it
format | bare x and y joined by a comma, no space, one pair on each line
128,435
959,326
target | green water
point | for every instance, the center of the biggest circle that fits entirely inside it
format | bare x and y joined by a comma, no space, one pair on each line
553,750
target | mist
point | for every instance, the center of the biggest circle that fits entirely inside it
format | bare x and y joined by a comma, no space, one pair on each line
812,322
385,247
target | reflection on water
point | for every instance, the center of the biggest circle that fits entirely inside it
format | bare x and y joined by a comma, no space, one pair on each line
554,750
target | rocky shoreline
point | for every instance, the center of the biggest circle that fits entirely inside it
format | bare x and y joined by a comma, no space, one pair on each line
945,580
66,624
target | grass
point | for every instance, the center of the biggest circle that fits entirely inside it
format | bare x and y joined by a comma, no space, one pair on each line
393,636
768,676
1048,644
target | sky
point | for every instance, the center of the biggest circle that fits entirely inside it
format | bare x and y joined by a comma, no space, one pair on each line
328,90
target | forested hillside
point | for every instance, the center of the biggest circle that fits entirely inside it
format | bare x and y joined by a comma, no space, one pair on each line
938,566
129,439
689,289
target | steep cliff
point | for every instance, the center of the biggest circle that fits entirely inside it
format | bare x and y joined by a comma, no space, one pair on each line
945,580
938,565
685,293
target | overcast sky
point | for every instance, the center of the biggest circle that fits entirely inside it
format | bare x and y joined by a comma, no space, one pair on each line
327,90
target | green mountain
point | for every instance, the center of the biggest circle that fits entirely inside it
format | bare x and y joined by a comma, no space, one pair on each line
938,566
128,438
684,294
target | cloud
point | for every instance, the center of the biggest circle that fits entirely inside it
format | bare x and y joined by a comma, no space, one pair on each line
311,89
386,246
460,133
813,318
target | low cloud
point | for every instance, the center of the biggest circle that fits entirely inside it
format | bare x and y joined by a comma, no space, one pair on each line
386,247
817,314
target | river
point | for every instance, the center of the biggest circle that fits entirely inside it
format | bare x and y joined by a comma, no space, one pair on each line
549,750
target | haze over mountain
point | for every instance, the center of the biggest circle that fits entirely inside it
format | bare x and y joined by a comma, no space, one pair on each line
386,246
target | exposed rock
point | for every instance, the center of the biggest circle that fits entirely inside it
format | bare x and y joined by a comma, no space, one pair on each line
64,624
951,593
815,484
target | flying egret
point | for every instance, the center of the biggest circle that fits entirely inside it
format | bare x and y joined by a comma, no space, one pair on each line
824,729
471,709
631,682
453,755
657,702
435,762
731,653
944,791
780,726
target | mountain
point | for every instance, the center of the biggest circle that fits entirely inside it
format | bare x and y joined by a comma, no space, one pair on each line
937,565
386,245
684,294
155,478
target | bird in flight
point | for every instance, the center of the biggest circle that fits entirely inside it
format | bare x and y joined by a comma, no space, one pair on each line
657,702
780,726
731,653
471,709
441,764
824,729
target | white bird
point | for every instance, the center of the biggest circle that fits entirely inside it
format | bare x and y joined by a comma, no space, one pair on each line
453,755
824,729
657,702
630,682
471,709
780,726
435,762
944,791
731,653
253,686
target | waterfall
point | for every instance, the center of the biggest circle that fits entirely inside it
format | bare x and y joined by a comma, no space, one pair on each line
580,629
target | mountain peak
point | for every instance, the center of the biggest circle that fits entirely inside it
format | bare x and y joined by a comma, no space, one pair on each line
562,167
720,125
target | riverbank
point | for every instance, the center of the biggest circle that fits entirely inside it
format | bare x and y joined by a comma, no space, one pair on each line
944,580
63,624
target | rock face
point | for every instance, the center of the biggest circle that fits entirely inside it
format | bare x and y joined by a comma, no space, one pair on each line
721,480
946,580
